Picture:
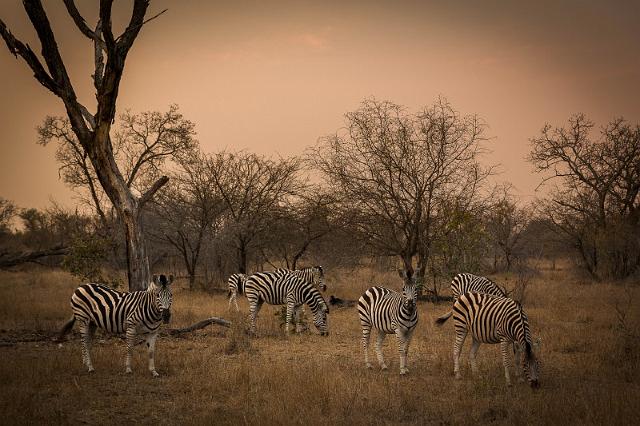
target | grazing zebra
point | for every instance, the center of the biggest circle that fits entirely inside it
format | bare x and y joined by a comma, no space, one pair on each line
469,283
283,287
236,286
389,312
493,319
137,312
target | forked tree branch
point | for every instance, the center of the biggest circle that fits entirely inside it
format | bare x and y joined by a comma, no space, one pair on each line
151,191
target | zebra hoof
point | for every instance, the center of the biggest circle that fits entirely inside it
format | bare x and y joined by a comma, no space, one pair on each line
128,371
369,366
458,376
91,369
404,371
154,373
384,367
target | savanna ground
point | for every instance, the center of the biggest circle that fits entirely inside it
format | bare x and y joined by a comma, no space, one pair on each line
590,370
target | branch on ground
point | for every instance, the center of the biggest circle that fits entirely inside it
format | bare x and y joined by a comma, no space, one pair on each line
197,326
8,260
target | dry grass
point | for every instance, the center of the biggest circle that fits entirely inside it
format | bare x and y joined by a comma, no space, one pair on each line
590,372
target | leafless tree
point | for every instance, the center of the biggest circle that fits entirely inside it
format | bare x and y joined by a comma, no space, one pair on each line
391,170
251,186
93,130
142,144
189,211
506,223
596,199
299,225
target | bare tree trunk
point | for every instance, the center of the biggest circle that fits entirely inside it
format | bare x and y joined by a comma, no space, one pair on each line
137,259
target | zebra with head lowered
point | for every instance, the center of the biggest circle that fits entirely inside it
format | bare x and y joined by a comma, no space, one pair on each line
236,284
284,287
493,319
134,313
389,312
469,283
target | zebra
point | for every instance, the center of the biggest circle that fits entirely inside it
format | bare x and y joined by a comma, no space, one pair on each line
389,312
467,283
283,287
314,274
236,284
492,319
137,312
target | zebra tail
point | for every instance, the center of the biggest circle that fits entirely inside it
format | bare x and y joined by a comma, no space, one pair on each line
66,328
441,320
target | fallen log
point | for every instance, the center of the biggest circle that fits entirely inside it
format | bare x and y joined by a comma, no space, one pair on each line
197,326
8,260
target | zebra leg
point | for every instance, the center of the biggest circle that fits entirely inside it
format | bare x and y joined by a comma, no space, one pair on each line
517,353
290,311
254,309
235,301
461,334
403,344
131,342
379,340
366,332
232,299
86,330
296,318
475,345
506,360
151,346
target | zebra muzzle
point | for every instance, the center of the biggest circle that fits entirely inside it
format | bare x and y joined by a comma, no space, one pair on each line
166,315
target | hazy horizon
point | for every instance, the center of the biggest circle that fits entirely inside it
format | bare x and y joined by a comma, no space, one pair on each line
273,78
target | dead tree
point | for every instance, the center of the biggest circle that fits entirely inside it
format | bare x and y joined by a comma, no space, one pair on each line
93,130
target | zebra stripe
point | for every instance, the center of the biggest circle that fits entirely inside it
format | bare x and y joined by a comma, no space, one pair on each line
389,312
236,284
138,312
492,319
313,274
283,287
469,283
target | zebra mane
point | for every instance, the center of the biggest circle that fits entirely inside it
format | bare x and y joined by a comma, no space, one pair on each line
526,332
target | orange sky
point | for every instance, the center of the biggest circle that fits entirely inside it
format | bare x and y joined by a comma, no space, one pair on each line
274,76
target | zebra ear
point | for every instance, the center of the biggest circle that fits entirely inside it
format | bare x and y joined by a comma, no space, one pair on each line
170,279
156,279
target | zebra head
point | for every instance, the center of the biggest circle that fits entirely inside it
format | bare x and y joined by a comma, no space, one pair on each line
162,289
531,366
409,289
320,318
318,278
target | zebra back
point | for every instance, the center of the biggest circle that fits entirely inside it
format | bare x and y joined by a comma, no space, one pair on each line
470,283
312,274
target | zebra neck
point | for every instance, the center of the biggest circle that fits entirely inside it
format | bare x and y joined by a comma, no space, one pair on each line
150,302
